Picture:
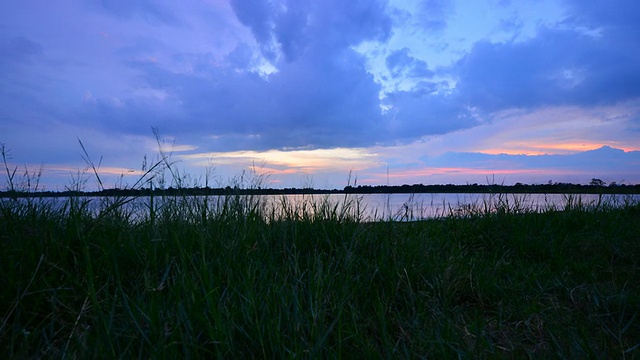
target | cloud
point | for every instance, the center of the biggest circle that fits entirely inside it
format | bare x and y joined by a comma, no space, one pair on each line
305,86
319,102
400,63
291,75
341,159
256,14
603,13
603,162
294,27
293,30
433,14
547,130
459,167
422,111
148,10
24,83
318,94
20,49
563,65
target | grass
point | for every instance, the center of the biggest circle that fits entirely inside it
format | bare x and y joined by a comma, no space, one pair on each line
311,280
235,277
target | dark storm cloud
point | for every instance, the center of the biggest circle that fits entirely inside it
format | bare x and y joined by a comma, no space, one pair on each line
317,101
325,97
310,102
330,26
321,95
257,16
293,31
573,64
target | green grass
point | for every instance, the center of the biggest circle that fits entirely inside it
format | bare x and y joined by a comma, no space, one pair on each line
243,280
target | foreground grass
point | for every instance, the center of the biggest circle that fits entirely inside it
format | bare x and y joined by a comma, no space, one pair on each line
314,281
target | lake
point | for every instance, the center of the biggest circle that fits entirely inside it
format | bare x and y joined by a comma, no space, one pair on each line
409,207
401,207
368,207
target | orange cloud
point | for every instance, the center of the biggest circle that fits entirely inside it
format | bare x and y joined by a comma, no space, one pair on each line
537,148
339,159
550,130
455,172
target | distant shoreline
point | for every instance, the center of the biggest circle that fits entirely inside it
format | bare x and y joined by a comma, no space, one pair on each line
558,188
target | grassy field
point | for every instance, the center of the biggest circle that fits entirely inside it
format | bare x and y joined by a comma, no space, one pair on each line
314,281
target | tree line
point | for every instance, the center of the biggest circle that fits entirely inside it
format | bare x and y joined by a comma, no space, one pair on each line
596,186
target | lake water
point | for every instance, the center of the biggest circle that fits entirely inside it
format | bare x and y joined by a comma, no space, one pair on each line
402,207
409,207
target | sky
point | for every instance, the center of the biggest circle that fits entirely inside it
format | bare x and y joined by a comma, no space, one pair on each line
322,94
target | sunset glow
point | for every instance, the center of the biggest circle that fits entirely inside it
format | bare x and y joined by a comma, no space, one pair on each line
298,160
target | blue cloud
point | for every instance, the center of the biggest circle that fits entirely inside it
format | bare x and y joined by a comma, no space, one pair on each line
292,30
613,164
621,14
314,101
148,10
555,68
434,14
257,15
400,63
20,50
422,112
328,27
321,95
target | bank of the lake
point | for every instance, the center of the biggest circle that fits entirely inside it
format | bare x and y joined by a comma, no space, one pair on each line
317,282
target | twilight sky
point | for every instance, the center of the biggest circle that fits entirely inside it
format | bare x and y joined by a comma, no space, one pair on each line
397,91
